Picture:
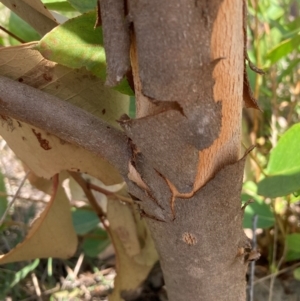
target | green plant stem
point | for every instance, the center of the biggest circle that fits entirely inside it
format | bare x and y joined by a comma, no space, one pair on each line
12,35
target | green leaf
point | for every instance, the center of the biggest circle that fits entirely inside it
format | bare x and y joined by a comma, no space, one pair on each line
77,44
24,272
297,274
289,69
281,185
84,221
83,6
293,246
285,157
59,5
294,25
259,208
293,242
21,29
283,170
283,49
94,245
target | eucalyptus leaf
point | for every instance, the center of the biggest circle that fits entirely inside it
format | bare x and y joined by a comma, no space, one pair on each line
293,246
59,5
84,221
283,49
83,6
21,29
283,170
258,207
96,243
76,44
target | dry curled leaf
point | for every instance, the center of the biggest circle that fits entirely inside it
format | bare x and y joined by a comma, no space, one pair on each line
51,234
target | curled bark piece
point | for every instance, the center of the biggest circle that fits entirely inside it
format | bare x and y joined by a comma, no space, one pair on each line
249,99
116,40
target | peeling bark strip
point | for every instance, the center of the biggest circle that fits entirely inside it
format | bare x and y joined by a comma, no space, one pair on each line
116,39
197,261
249,99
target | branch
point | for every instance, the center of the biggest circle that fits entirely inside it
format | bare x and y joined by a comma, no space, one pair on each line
65,121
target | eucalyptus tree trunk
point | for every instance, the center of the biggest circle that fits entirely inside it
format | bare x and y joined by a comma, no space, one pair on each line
181,156
186,170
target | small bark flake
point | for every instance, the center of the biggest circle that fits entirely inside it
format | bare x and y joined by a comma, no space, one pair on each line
189,238
8,121
146,215
249,99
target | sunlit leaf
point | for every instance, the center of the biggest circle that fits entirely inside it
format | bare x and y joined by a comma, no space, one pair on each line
283,49
58,5
76,44
283,170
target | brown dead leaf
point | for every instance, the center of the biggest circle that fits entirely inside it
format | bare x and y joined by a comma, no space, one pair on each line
133,245
47,155
51,234
77,86
121,221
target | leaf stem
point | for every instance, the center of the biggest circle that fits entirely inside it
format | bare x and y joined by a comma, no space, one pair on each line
12,35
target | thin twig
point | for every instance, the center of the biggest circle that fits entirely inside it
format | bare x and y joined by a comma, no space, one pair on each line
110,193
252,265
253,157
277,273
84,185
12,35
14,198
